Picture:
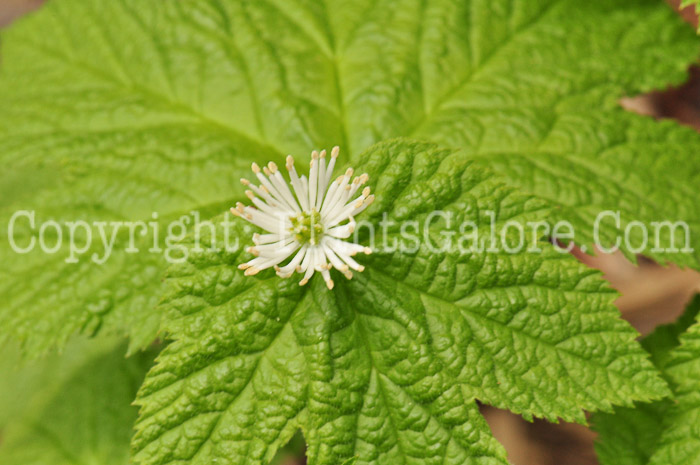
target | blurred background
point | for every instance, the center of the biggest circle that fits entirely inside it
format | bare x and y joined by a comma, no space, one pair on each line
650,294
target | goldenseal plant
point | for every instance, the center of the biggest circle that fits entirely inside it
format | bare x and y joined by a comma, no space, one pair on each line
456,109
310,221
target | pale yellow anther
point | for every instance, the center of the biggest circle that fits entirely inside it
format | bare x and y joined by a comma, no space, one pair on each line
305,222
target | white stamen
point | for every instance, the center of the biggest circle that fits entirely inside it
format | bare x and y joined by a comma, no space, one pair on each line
308,222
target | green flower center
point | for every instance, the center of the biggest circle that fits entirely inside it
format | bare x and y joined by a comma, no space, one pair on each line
307,227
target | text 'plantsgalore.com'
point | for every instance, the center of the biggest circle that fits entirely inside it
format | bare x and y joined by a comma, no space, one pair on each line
438,232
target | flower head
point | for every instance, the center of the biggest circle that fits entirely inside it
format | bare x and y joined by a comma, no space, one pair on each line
309,221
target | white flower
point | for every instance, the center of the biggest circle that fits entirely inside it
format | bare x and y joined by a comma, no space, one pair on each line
306,221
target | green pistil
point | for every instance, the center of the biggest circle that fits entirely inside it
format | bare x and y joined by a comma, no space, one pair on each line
307,227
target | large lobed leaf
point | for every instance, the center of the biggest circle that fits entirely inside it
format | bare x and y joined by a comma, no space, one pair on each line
386,368
680,442
663,432
70,409
129,106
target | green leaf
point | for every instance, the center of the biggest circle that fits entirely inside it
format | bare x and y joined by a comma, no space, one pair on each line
680,442
135,106
386,368
70,409
631,436
665,339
